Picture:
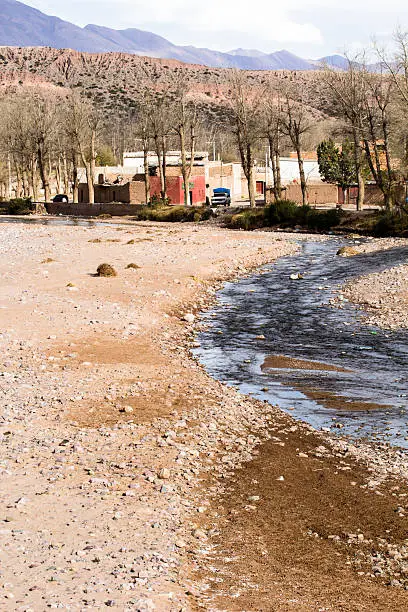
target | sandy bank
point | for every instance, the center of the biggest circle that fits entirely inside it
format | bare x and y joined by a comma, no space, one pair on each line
382,296
99,453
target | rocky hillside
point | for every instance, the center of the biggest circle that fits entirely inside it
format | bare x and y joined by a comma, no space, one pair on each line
113,80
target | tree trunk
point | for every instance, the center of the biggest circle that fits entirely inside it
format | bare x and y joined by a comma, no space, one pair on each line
65,175
278,176
275,176
251,187
391,194
90,183
303,184
92,167
9,179
26,186
164,168
183,162
33,180
19,186
186,168
344,191
146,171
59,175
158,151
42,167
357,164
75,184
361,191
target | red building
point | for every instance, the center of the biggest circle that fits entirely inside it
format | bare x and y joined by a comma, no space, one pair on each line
175,189
132,190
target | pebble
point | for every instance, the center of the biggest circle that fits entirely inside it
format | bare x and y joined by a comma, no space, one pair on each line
189,318
164,474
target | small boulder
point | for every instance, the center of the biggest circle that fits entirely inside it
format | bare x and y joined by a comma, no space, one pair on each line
347,251
164,474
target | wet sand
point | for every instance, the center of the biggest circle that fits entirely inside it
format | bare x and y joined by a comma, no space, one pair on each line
281,362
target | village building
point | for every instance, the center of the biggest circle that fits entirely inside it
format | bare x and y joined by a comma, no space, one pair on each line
126,183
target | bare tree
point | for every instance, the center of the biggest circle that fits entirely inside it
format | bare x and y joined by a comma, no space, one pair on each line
43,130
273,128
245,115
185,121
348,92
82,129
378,103
297,122
141,129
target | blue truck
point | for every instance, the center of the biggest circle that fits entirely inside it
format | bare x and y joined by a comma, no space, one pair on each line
221,197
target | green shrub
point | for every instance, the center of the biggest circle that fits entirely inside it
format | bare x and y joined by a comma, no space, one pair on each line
282,211
323,220
390,224
20,206
248,219
173,214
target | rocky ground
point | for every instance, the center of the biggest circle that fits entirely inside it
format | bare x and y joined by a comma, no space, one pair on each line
131,479
384,295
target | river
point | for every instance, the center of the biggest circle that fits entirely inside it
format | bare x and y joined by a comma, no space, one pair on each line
358,382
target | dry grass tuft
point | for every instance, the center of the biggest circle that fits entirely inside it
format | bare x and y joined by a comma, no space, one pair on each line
131,242
132,266
48,260
106,270
95,241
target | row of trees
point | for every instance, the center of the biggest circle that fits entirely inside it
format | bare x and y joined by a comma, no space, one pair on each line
363,108
47,134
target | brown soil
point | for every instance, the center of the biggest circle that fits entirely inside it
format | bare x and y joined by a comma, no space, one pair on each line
281,362
275,553
338,402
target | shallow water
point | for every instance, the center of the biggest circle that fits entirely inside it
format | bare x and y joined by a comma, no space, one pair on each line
52,221
297,321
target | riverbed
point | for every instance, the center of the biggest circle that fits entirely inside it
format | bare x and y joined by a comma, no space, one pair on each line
341,375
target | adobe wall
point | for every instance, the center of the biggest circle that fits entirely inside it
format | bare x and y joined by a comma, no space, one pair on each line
317,194
92,210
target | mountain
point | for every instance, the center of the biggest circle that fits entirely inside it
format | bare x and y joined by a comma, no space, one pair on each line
24,26
247,52
334,61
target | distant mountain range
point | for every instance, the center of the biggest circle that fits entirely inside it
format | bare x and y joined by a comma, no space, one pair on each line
24,26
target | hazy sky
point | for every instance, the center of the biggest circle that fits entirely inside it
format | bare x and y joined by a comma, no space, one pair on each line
311,28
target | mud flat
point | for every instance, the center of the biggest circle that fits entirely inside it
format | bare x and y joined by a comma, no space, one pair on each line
127,472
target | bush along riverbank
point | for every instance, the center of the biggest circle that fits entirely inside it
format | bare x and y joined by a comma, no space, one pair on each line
17,206
173,214
288,215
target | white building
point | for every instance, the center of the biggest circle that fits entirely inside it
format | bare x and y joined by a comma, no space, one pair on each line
133,161
290,171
